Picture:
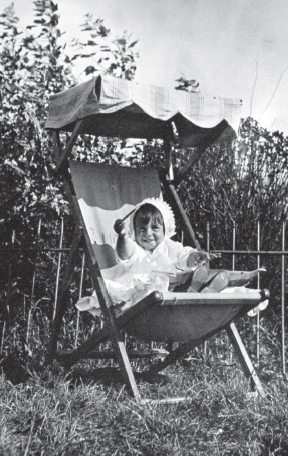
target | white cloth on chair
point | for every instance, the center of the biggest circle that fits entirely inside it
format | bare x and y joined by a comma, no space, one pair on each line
255,310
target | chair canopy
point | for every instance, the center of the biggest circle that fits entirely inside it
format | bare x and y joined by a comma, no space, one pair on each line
116,107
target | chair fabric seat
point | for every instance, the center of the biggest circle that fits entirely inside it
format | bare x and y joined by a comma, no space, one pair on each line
189,316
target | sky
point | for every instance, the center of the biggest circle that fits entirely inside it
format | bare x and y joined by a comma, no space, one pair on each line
233,48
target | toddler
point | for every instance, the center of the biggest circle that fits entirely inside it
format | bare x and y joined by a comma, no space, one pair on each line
146,261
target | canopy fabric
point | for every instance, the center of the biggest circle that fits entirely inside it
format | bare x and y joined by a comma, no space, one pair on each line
117,107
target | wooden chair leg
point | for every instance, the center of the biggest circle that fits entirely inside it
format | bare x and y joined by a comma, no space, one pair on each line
125,365
237,344
62,300
116,334
244,359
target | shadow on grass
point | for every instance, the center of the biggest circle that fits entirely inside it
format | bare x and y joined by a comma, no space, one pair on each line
110,376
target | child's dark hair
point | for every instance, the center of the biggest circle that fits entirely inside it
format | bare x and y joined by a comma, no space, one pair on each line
148,212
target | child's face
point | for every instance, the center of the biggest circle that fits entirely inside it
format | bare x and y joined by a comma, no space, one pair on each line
148,235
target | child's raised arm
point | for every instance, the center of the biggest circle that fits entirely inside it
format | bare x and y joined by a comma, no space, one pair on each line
124,244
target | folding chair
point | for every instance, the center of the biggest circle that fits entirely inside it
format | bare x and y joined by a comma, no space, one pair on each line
99,194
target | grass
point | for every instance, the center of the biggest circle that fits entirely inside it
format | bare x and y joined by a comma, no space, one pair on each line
55,413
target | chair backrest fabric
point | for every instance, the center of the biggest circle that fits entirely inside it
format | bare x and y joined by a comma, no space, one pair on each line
106,193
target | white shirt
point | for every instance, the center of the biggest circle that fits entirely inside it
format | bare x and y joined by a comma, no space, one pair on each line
167,257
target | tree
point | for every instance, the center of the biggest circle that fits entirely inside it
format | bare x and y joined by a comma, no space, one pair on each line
108,54
35,64
32,67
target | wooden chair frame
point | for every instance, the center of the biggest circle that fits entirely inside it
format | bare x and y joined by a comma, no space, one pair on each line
115,328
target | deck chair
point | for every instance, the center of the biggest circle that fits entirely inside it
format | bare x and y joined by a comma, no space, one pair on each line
100,194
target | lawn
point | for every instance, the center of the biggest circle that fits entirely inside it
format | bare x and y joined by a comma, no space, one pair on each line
53,412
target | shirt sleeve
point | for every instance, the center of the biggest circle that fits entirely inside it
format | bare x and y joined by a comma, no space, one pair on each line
181,253
129,261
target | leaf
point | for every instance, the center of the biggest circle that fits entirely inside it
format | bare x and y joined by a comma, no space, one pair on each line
90,70
133,44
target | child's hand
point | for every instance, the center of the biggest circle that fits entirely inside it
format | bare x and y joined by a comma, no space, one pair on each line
119,226
197,258
214,255
200,257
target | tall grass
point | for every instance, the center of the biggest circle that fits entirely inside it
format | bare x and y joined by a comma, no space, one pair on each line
79,413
